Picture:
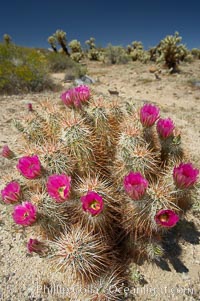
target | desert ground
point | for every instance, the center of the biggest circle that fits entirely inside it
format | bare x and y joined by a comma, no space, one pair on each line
26,277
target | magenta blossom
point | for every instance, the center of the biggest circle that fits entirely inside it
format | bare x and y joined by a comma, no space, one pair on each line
149,114
58,187
29,167
75,97
166,218
68,97
35,246
165,127
30,107
92,202
135,185
83,93
6,152
11,193
24,214
185,175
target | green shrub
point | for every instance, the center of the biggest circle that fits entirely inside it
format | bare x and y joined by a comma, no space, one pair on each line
116,55
23,70
59,62
195,53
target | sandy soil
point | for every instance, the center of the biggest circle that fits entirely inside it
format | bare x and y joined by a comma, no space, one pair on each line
177,278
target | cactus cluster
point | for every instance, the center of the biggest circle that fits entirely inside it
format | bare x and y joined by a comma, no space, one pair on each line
137,52
76,50
93,53
171,52
97,185
195,52
7,39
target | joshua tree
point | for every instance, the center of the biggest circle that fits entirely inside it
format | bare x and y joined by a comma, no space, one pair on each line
7,39
60,36
52,42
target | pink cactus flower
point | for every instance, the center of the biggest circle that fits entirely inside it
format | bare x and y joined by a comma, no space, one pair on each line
75,97
185,175
149,114
135,185
68,97
6,152
83,93
92,202
165,127
11,193
25,214
166,218
35,246
29,167
30,107
58,187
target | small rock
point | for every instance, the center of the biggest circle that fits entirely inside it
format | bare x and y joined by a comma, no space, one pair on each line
113,92
87,79
153,69
84,80
78,82
185,276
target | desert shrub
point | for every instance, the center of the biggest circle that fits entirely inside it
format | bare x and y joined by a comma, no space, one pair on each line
22,70
75,72
116,55
195,53
58,62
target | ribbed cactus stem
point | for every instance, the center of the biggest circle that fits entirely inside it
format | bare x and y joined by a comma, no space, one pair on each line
151,137
171,149
78,138
81,253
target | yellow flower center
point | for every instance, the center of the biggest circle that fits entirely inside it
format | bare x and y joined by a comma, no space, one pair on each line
61,191
95,205
164,217
26,214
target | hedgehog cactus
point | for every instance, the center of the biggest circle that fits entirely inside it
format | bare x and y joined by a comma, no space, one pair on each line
98,183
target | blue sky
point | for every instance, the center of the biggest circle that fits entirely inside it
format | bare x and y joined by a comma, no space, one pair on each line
120,22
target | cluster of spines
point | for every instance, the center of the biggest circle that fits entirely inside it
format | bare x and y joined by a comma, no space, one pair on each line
100,150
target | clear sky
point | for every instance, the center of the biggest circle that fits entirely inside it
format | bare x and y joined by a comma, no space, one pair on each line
31,22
